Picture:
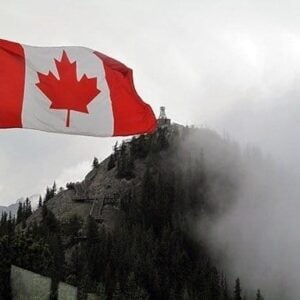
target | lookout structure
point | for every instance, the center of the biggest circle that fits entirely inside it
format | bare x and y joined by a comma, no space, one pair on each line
162,120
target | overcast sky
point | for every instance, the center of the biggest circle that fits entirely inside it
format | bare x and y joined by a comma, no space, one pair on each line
230,65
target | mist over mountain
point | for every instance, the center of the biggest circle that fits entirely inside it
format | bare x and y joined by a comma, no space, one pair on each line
179,214
260,234
257,237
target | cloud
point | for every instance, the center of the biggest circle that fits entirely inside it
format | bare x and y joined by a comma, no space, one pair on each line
256,239
73,173
209,62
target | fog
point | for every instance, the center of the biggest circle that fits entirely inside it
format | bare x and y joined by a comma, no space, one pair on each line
257,238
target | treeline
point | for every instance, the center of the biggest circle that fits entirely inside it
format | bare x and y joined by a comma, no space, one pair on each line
149,254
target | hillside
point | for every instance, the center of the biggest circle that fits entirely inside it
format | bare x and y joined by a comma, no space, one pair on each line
179,152
98,195
128,230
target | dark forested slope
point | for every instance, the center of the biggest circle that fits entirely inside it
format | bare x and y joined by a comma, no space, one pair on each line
127,230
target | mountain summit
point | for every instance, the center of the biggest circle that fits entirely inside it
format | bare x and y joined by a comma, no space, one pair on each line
173,151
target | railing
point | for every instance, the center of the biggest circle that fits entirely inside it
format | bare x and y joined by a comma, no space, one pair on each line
97,204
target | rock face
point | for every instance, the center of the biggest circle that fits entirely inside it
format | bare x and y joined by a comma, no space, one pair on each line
13,208
97,195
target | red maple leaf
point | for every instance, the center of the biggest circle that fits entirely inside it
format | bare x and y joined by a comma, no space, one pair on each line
66,92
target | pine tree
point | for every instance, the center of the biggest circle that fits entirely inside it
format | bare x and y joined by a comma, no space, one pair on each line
50,192
76,266
101,291
51,232
259,296
237,290
10,226
71,228
117,295
40,202
27,208
92,249
115,148
20,213
54,189
83,285
111,163
95,163
224,287
133,290
57,268
125,162
214,283
3,224
49,223
185,294
47,195
141,294
6,260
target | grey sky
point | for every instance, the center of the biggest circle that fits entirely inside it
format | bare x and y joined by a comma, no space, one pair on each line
230,65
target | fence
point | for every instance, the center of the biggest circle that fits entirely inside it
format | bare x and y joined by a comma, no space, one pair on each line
26,285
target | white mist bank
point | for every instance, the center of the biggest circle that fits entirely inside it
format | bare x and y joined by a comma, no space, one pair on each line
257,239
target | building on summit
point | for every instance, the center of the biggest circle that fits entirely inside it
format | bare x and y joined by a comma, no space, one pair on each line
163,120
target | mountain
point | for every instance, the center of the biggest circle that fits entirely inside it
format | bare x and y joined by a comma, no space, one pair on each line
179,148
174,149
13,208
129,229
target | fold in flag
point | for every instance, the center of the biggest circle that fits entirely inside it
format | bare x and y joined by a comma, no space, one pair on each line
72,90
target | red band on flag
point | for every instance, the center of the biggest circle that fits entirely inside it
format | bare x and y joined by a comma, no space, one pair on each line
131,114
12,76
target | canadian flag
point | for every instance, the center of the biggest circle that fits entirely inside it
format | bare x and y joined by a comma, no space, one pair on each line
72,90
